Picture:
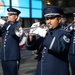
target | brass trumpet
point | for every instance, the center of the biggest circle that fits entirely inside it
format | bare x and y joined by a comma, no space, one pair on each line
71,24
27,30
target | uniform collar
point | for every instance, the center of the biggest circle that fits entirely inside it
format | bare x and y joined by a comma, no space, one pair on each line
55,28
51,31
12,23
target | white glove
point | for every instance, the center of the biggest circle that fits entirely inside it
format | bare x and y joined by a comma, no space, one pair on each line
39,31
2,22
19,32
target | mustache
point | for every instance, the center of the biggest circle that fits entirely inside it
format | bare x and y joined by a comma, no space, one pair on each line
47,25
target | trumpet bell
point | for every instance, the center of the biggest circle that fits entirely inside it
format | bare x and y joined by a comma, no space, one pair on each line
18,30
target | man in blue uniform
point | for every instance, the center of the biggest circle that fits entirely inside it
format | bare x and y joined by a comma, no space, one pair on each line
63,23
10,52
71,28
53,47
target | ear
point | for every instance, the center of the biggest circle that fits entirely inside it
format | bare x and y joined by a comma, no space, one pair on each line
16,16
59,20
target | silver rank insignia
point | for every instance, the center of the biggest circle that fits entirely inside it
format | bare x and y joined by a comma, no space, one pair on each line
66,39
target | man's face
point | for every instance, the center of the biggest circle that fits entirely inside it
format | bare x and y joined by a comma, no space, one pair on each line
52,23
63,20
12,17
74,18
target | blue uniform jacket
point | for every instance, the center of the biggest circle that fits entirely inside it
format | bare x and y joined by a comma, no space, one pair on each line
72,43
10,43
53,52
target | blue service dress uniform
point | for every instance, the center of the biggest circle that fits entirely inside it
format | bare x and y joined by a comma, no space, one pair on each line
72,45
72,52
72,49
10,52
53,52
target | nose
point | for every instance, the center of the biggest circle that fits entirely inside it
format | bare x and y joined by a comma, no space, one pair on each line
48,21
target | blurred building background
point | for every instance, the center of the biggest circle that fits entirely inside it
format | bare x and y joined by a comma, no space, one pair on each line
31,9
67,5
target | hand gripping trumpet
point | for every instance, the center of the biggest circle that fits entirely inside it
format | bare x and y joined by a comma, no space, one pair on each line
71,26
2,22
40,30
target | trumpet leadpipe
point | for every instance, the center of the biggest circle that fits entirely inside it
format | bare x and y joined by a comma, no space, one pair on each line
28,28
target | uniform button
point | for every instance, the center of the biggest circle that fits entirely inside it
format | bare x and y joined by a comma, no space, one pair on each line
42,56
6,34
44,52
4,42
42,60
44,47
74,42
5,39
7,31
4,45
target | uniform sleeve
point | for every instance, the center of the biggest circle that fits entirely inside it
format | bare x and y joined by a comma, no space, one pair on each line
2,30
30,45
34,44
61,44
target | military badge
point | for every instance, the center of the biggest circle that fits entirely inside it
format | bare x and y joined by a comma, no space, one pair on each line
66,39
